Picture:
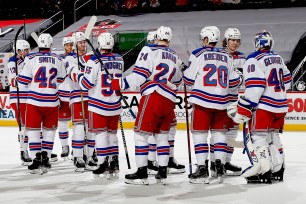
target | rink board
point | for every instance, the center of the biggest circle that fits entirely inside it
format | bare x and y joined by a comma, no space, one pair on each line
295,119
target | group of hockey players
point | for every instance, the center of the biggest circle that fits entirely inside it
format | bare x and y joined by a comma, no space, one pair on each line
54,89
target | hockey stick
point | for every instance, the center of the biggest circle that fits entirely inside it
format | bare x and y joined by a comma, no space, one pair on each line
35,37
21,139
124,143
90,26
2,34
187,123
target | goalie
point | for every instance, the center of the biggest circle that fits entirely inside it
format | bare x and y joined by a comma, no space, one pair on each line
264,107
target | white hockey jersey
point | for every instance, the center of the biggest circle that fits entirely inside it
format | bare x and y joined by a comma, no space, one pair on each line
238,61
102,99
41,72
75,89
64,88
212,73
266,80
157,69
23,89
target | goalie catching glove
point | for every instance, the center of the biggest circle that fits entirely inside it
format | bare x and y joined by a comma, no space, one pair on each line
241,112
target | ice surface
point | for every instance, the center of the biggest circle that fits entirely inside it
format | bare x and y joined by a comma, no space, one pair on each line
62,185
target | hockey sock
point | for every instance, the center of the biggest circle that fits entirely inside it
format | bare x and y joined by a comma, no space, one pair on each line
220,144
78,140
63,132
200,146
230,135
172,133
141,149
48,141
91,143
34,142
152,148
113,143
102,146
163,148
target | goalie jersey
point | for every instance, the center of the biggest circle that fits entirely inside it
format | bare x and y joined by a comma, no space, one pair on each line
102,99
42,72
266,80
23,89
213,77
157,69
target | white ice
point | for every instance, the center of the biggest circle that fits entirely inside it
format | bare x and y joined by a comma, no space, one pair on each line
62,185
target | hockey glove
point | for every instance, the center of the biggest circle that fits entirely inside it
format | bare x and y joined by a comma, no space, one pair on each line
232,110
244,110
75,74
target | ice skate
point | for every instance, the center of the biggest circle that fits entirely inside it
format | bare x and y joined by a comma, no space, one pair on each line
279,176
174,167
91,165
25,159
265,178
65,152
232,170
45,164
201,175
213,172
103,169
152,167
79,163
114,167
161,176
35,167
140,177
53,158
219,170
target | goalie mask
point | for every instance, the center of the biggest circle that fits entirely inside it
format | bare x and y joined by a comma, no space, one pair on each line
263,40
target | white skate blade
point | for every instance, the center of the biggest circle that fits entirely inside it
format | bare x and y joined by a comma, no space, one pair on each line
36,171
220,179
26,163
114,175
80,170
200,180
54,159
105,175
44,170
90,168
151,172
175,171
65,159
161,181
213,174
233,173
137,181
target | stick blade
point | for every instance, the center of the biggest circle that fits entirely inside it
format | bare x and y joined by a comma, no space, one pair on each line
90,26
35,37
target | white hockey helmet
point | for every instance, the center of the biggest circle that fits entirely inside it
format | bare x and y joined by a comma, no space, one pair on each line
262,40
212,33
232,33
67,40
78,36
45,40
151,36
22,45
106,41
164,33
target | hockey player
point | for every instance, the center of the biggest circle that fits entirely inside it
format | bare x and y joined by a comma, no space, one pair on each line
23,48
173,166
263,106
64,95
41,72
104,105
211,73
79,103
157,73
231,44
